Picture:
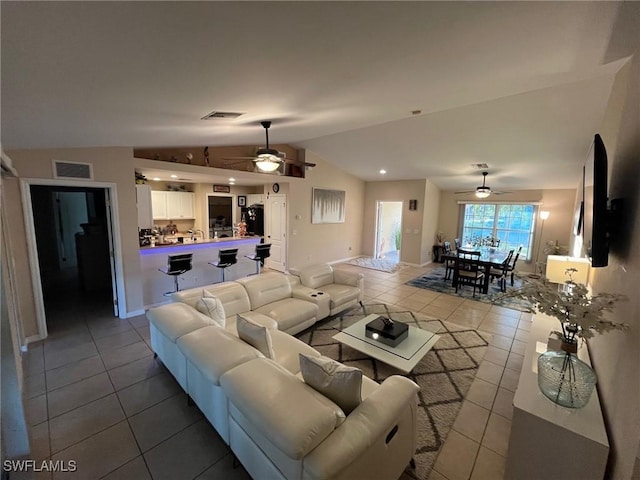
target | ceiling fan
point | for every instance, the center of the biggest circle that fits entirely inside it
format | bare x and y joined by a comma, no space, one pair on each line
484,190
268,159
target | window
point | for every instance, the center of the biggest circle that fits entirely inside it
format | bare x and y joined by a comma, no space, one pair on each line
512,224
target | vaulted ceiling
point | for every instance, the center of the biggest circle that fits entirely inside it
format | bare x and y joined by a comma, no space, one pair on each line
521,86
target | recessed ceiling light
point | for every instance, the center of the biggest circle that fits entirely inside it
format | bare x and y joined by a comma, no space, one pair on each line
383,171
155,179
174,176
232,183
232,179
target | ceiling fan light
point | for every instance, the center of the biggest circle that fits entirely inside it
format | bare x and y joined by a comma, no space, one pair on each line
483,193
267,164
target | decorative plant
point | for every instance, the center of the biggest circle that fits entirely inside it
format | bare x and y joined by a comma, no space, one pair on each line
439,238
397,237
554,248
580,314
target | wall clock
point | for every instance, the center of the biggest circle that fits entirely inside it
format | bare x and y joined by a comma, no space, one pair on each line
276,188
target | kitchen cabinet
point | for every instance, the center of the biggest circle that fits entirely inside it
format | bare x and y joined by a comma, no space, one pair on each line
143,201
172,205
255,198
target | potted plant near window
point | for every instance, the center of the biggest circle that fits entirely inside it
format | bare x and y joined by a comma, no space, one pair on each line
562,376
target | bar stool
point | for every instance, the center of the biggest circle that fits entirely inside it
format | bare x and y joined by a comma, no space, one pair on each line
226,258
177,265
263,250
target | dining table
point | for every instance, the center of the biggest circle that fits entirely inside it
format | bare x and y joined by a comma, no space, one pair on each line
489,257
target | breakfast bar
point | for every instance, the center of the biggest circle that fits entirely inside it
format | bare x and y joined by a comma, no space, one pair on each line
155,283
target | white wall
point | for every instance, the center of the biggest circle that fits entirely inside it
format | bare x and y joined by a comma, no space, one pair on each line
412,220
314,243
616,356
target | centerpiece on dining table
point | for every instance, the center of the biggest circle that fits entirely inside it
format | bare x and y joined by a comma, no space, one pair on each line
562,376
478,241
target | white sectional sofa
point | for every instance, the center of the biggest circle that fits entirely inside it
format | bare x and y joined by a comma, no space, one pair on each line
277,425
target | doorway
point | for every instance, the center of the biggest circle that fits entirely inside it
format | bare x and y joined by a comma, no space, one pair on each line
71,232
388,235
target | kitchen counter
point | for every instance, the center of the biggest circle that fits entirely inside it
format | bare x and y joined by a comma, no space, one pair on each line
155,283
225,240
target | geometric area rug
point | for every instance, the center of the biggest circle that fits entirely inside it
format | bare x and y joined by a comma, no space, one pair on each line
434,280
444,374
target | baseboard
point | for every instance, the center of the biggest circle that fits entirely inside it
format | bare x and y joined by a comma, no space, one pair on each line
342,260
31,339
135,313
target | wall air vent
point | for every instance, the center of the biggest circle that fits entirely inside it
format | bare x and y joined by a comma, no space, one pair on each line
216,114
72,170
480,166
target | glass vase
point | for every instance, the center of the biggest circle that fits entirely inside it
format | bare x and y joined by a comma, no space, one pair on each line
565,379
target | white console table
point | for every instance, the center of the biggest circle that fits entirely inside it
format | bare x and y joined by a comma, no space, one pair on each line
547,440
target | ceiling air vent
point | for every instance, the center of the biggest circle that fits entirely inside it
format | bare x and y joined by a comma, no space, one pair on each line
72,170
480,166
216,114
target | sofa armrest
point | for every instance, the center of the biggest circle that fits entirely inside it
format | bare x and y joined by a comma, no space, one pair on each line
355,279
314,295
369,424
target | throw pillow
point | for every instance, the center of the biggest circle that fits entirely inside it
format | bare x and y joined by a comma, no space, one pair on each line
212,307
255,335
337,382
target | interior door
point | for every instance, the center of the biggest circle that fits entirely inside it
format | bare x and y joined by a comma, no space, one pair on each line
112,257
276,231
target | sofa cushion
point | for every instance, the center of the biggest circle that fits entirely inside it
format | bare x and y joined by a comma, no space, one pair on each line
286,349
266,288
341,294
255,335
290,312
213,351
316,276
292,415
212,307
233,296
176,319
339,383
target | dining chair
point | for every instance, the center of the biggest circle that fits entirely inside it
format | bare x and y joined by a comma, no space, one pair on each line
512,266
501,272
449,264
468,270
457,242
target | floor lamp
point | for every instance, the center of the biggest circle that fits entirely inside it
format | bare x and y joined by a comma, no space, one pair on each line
543,216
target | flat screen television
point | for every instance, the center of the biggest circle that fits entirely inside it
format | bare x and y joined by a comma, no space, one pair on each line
595,236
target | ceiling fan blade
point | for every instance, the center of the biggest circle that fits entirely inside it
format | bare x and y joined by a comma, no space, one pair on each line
465,191
499,193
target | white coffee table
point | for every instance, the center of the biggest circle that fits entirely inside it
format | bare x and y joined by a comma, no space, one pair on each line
404,357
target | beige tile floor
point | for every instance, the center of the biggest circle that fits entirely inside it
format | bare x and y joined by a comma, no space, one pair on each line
95,394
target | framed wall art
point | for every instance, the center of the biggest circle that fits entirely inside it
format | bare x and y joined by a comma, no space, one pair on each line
242,200
328,206
221,189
